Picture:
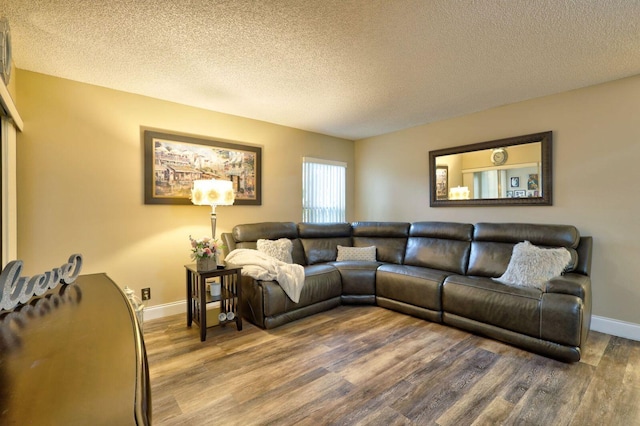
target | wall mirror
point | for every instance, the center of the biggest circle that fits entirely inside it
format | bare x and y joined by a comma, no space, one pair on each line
506,172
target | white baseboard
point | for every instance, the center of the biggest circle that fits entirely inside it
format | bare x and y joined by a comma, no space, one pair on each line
628,330
165,310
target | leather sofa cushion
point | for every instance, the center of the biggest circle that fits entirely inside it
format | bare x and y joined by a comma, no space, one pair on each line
436,253
390,239
267,230
324,230
484,300
322,282
552,317
493,244
246,236
439,245
489,259
537,234
410,284
298,253
442,230
358,278
322,250
320,241
388,250
381,229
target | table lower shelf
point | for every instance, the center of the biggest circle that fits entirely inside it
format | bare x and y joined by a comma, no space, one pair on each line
213,315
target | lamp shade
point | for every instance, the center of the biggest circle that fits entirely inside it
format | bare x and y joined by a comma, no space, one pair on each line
212,192
459,193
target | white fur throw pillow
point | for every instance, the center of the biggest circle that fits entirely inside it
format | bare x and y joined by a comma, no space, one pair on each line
280,249
532,266
357,253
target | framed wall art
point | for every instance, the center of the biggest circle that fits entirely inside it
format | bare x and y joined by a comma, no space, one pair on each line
172,162
442,182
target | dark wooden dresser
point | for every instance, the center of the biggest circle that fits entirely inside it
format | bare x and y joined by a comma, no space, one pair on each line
74,356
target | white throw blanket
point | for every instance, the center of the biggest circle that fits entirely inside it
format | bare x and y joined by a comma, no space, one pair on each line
260,266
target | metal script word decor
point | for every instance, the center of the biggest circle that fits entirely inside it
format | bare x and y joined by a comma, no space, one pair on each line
15,290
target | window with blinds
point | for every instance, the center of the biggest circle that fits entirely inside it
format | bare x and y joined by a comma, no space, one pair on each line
323,190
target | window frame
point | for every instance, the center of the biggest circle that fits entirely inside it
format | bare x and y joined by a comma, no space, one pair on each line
336,210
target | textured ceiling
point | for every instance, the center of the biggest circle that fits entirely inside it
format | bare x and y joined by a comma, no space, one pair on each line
349,68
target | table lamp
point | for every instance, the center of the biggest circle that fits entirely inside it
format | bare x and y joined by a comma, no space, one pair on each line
459,193
212,192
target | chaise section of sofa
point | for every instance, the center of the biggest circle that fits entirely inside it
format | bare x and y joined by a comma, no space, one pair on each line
549,320
439,271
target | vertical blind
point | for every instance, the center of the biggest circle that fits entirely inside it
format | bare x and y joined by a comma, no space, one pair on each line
323,190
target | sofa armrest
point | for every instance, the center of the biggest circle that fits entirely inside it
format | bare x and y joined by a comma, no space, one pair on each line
573,284
229,244
577,285
251,301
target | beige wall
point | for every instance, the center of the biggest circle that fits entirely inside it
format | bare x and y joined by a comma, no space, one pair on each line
80,179
596,134
81,182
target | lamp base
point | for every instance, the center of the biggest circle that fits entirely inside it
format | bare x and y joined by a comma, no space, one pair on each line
213,222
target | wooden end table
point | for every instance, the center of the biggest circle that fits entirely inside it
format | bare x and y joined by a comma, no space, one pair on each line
198,297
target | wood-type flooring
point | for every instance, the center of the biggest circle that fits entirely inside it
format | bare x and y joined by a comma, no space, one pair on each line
366,365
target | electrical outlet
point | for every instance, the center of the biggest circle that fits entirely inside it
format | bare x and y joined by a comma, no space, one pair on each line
146,293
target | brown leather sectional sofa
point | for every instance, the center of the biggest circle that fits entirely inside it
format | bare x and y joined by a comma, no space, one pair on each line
438,271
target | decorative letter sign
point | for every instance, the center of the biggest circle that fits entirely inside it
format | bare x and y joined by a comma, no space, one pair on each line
15,290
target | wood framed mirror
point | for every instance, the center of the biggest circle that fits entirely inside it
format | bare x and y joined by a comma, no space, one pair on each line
514,171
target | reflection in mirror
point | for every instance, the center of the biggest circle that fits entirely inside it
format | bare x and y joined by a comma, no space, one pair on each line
512,171
479,177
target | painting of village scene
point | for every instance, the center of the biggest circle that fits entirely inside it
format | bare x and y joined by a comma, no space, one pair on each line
176,161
